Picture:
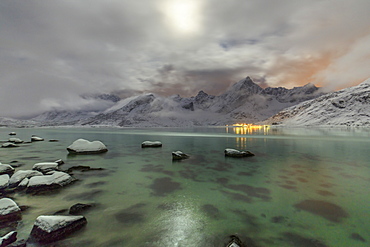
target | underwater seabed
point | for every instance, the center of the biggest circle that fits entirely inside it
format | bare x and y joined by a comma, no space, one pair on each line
304,187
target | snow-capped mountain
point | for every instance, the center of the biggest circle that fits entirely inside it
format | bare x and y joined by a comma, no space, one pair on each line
244,101
347,107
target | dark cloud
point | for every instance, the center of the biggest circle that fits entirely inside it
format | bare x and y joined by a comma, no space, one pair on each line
53,51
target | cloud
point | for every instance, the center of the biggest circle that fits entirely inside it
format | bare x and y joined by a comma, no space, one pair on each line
60,50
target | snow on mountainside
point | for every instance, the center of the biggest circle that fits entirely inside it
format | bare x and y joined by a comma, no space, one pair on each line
245,101
347,107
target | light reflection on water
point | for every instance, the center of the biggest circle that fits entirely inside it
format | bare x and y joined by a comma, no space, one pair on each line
145,199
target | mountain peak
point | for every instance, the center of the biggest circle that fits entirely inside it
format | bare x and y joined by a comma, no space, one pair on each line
246,85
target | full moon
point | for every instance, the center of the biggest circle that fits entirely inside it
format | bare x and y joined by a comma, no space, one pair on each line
183,15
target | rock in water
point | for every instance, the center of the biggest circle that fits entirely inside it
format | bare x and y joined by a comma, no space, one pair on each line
236,153
49,182
82,146
36,138
6,169
179,155
45,167
20,175
50,228
4,181
151,144
9,210
9,145
9,238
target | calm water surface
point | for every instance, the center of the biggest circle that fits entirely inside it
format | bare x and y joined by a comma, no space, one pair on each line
304,187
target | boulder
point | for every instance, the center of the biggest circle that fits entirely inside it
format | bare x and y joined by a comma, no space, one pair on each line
7,239
45,167
35,138
15,140
9,145
9,210
6,169
50,228
179,155
4,181
151,144
12,133
49,182
82,146
22,174
236,153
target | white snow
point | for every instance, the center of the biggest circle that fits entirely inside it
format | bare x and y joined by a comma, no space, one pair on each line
8,206
49,223
82,145
60,178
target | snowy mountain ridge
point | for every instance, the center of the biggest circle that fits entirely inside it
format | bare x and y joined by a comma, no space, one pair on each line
347,107
244,101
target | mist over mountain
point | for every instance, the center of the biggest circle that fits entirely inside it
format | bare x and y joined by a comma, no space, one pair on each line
347,107
245,101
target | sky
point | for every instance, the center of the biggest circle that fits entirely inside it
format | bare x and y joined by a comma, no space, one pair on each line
51,52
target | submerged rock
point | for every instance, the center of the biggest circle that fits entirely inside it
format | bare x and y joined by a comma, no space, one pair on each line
9,210
82,146
151,144
50,228
179,155
49,182
236,153
79,208
6,169
7,239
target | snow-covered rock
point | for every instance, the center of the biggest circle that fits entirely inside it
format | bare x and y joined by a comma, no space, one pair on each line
8,238
236,153
179,155
47,182
151,144
35,138
15,140
18,176
9,145
12,133
347,107
50,228
82,146
4,181
45,167
6,169
9,210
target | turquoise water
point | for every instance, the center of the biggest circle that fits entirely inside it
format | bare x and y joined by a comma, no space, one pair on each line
303,187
